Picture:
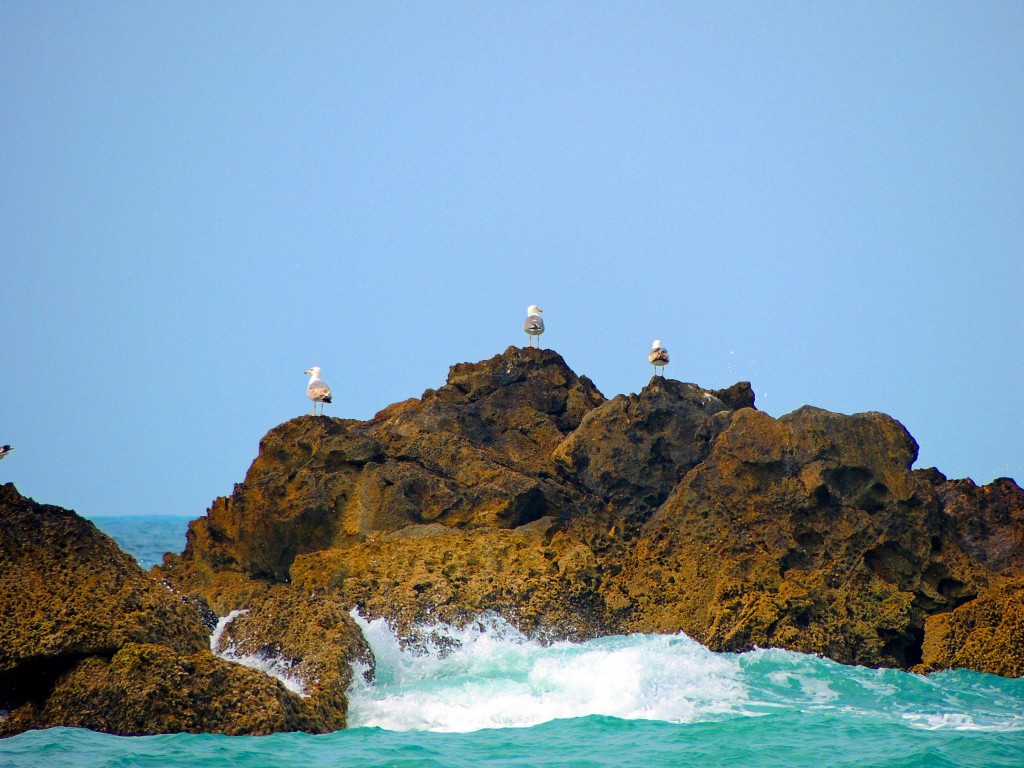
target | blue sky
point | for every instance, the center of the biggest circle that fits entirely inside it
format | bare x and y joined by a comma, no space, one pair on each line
200,201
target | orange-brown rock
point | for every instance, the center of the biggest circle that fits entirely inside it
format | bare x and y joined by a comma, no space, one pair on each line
508,489
629,453
989,521
986,634
146,688
313,638
476,452
68,591
89,639
808,532
517,488
541,578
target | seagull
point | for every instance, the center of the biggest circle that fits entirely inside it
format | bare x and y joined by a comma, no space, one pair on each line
658,357
4,450
534,325
317,391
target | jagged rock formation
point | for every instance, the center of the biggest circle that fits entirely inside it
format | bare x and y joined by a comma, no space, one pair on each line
89,639
517,488
476,452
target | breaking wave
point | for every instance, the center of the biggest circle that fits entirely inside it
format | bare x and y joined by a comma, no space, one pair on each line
489,675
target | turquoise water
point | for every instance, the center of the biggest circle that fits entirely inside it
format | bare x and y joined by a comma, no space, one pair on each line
486,695
147,537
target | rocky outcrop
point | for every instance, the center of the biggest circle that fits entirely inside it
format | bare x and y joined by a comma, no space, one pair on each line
540,577
989,521
148,688
628,454
512,488
88,639
476,452
518,489
311,639
808,532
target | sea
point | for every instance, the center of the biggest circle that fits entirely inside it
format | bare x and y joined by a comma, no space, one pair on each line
485,695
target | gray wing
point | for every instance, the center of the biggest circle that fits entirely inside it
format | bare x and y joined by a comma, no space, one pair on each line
659,355
534,325
319,391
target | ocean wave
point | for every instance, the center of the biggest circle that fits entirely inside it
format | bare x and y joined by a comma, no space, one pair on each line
489,675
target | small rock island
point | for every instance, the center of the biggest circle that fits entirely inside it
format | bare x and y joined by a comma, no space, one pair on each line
518,489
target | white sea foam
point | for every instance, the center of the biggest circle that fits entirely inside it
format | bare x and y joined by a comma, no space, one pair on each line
488,675
222,625
275,666
959,721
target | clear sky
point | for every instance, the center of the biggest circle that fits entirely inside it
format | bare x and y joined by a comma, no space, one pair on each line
199,201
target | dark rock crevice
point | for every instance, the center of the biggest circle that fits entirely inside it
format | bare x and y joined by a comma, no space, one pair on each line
32,680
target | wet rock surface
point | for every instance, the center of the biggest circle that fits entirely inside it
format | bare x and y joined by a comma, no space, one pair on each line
518,489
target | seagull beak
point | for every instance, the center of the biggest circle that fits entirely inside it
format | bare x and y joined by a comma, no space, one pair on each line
307,372
539,309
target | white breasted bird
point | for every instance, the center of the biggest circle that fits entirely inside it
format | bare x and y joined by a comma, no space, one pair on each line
317,391
534,325
658,357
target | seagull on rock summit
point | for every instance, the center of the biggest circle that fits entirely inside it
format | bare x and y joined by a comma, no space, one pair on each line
534,325
658,357
317,391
